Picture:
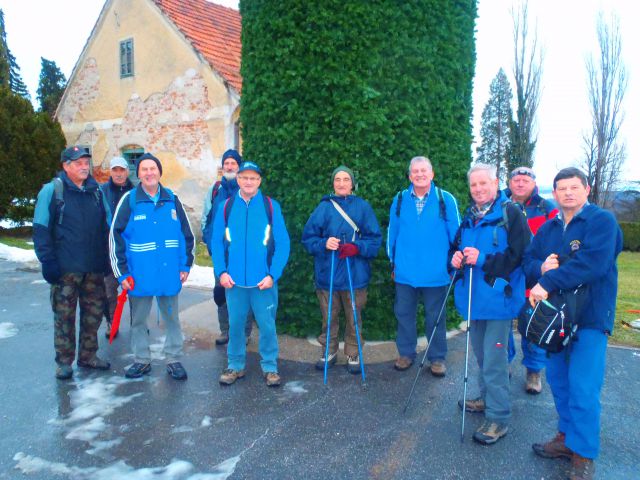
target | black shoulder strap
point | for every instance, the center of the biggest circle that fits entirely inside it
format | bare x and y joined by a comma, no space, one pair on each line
442,206
399,202
502,223
58,189
215,190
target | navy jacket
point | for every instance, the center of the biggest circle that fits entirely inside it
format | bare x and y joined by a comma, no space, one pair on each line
587,249
111,194
498,279
225,190
70,237
537,209
152,242
325,222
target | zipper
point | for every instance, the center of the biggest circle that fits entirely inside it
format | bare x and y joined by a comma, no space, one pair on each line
246,232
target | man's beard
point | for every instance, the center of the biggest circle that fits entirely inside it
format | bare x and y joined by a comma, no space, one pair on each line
229,175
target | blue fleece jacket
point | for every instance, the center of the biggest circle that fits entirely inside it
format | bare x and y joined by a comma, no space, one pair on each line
587,249
152,242
498,280
418,245
240,249
325,222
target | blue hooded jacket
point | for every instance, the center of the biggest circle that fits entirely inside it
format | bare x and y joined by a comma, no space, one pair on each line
240,249
225,189
587,249
498,280
325,222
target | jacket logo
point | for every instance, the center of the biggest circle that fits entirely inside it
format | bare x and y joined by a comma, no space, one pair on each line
139,217
174,215
575,245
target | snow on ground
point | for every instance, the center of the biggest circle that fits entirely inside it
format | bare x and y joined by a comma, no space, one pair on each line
15,254
201,277
8,329
6,223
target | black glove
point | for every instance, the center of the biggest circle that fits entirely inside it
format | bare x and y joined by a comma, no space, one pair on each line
51,272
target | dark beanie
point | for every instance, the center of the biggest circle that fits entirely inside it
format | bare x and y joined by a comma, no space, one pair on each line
147,156
231,153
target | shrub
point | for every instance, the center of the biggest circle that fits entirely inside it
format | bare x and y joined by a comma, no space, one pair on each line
366,84
630,236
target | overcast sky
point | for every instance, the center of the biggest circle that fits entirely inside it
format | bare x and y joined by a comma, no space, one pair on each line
58,30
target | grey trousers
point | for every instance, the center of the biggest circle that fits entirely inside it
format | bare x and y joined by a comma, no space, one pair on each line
168,306
489,339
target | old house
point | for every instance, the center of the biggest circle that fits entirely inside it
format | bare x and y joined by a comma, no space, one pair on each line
161,76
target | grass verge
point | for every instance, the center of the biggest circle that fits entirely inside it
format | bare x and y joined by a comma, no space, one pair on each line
628,299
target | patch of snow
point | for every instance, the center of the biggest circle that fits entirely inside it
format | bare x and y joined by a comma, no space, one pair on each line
15,254
200,277
38,282
295,387
8,329
6,223
182,429
206,421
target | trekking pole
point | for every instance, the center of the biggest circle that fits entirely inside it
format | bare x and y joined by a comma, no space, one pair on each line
355,324
466,355
328,332
433,331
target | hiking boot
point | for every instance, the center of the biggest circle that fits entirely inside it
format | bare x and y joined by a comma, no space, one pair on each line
64,372
554,448
137,370
438,368
475,405
490,432
223,339
353,364
95,362
332,361
402,363
107,330
534,383
272,379
229,376
582,468
177,371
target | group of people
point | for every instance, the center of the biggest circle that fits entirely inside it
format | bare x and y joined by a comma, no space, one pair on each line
505,242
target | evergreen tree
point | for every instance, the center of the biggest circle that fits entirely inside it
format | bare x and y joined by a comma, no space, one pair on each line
9,69
51,86
496,126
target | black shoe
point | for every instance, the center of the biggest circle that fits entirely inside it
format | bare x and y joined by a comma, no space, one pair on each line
64,372
137,370
95,363
333,357
223,339
177,371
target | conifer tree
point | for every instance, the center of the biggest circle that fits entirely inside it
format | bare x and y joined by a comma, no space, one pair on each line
9,69
51,86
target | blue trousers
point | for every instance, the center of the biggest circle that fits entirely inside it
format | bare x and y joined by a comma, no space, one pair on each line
576,381
405,307
264,304
534,358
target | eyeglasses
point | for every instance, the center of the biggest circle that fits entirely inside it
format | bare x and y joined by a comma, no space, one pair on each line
248,179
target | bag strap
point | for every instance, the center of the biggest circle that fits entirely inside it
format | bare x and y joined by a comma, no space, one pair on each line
58,189
347,219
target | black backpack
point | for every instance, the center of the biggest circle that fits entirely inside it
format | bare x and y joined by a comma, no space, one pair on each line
208,226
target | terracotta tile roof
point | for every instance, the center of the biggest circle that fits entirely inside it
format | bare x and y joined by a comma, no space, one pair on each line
213,30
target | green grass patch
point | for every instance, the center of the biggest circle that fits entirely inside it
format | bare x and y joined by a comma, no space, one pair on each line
202,256
628,299
19,242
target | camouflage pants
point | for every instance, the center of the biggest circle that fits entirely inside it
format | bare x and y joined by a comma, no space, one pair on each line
88,290
111,289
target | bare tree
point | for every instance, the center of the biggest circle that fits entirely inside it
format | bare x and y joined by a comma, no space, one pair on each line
604,150
527,73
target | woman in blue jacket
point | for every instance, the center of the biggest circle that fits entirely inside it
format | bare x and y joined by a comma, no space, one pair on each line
492,238
327,232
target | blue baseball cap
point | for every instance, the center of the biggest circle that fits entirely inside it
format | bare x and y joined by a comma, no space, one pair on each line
246,165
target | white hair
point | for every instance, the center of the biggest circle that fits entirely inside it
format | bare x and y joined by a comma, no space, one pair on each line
415,160
483,167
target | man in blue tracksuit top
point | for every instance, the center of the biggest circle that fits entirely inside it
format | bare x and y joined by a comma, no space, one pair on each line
422,225
217,194
492,239
579,247
355,238
250,247
151,248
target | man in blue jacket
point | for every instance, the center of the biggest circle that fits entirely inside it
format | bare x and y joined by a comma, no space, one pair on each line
579,247
112,191
344,224
70,239
217,194
422,225
250,247
151,248
492,239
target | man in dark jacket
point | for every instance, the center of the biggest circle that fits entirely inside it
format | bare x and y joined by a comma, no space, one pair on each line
578,247
524,191
357,240
217,194
112,191
70,239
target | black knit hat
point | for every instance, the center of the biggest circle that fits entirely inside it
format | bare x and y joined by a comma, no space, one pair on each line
147,156
231,153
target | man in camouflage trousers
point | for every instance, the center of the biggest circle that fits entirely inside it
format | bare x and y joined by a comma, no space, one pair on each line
70,237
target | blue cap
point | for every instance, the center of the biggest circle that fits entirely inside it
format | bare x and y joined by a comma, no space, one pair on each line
246,165
74,153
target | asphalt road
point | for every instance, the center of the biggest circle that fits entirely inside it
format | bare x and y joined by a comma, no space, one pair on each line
101,426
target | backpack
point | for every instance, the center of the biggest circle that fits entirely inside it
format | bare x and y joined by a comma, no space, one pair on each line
58,195
442,206
502,222
268,208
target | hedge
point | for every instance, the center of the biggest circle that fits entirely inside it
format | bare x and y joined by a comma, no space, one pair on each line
366,84
630,236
